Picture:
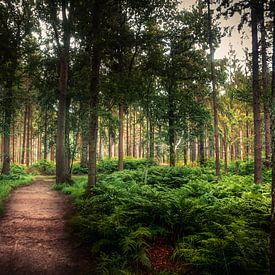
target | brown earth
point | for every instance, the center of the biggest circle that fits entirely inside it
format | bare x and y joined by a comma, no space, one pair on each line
35,237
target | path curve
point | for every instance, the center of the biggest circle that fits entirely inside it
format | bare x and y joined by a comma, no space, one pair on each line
34,235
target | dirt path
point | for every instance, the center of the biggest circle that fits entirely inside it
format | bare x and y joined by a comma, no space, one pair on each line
34,237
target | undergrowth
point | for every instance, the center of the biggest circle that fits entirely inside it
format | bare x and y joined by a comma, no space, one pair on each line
218,228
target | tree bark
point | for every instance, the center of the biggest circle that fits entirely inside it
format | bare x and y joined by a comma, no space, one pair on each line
201,148
256,95
45,139
214,94
28,135
8,111
120,143
24,135
171,129
265,87
272,240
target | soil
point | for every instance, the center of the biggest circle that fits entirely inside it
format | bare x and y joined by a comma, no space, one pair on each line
35,237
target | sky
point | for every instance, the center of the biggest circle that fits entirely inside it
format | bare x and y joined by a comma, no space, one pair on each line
235,40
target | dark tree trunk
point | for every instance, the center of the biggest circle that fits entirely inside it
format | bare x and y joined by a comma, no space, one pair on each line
152,141
225,151
28,135
61,121
256,95
8,111
134,135
201,148
247,136
110,140
272,241
84,150
94,94
45,139
171,129
214,95
24,135
120,143
265,87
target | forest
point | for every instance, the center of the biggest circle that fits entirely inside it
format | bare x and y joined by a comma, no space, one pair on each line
137,137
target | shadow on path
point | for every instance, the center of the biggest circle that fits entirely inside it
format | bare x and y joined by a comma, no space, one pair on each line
34,237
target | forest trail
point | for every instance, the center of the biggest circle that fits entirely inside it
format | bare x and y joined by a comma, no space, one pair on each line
34,236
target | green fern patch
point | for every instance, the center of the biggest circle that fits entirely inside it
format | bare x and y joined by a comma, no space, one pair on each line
217,228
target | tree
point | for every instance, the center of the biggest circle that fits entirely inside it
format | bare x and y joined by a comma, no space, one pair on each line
214,93
15,25
256,93
272,241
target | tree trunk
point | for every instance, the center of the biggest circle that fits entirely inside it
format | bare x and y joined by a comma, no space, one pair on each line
134,135
152,141
61,159
8,111
28,135
265,87
171,130
272,240
256,95
214,94
94,94
201,148
45,139
225,151
120,143
24,135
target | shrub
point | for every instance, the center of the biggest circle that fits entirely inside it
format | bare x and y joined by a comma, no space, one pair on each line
217,227
43,167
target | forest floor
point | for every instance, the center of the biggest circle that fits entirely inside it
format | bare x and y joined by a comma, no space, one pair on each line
35,237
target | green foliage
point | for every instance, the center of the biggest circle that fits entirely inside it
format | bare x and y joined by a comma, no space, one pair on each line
43,167
220,228
109,166
77,169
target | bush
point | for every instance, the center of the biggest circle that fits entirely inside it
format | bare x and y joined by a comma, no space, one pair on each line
78,169
109,166
220,228
43,167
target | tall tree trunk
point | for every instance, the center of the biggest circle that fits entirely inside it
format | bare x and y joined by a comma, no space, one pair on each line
61,159
140,140
272,240
225,150
265,86
110,140
256,95
8,111
134,135
94,94
127,136
24,135
171,129
120,143
28,135
152,141
247,136
214,94
45,139
201,148
13,142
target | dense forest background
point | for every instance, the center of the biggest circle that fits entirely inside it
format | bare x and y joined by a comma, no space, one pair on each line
95,87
